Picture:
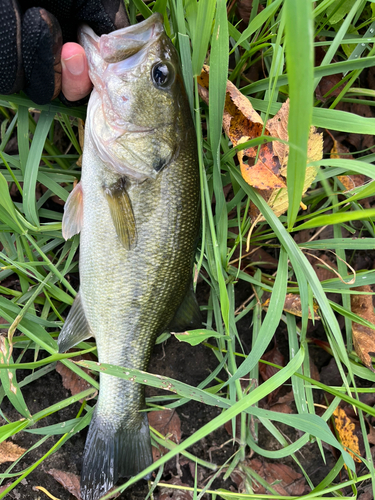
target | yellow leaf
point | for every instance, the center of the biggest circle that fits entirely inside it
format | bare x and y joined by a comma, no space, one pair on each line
9,452
345,428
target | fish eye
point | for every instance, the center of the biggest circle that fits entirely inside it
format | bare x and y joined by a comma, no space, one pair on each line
163,75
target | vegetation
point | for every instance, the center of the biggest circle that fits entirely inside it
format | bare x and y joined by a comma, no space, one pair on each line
283,35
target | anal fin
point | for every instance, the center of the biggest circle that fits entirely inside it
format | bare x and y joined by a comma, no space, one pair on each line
76,327
73,213
188,315
122,213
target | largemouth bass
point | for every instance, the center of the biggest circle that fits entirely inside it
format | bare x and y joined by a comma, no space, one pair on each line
137,209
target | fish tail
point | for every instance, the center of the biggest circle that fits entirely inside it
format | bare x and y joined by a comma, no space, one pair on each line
113,451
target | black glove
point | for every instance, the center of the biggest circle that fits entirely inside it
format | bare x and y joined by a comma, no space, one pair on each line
31,36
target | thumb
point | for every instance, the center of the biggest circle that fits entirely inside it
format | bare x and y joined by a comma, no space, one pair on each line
75,83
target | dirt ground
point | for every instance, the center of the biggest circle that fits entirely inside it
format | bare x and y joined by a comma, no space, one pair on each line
173,359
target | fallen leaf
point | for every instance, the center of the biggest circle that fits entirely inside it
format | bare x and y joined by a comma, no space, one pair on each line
166,493
293,306
10,452
238,477
345,429
361,141
281,408
367,493
288,398
285,480
367,398
68,480
324,89
4,487
258,256
229,428
314,372
371,433
73,382
278,127
268,371
71,482
363,336
324,267
168,423
340,151
242,123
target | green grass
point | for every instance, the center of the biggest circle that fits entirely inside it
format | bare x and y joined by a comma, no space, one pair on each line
283,35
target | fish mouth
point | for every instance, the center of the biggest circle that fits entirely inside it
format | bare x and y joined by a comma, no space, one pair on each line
123,43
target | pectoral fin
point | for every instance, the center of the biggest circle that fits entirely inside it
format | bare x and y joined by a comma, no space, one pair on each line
73,213
122,213
188,315
76,327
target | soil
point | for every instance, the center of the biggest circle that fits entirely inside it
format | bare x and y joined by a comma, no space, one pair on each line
176,360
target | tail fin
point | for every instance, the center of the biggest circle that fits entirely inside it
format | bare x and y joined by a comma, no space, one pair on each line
112,452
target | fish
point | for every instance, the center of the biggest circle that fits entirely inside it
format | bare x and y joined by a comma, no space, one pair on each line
137,209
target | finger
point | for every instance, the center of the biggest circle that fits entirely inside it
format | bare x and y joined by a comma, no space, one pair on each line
76,83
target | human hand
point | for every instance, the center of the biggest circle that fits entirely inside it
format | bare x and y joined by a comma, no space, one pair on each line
32,54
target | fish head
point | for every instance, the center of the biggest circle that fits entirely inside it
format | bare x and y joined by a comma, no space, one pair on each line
135,114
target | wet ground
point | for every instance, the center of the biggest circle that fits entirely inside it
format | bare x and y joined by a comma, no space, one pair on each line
172,359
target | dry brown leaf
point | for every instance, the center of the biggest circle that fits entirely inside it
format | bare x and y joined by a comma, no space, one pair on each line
268,371
73,382
326,84
314,372
371,433
238,477
9,452
293,306
68,480
345,429
278,127
242,123
229,428
258,255
283,478
71,482
367,493
323,272
340,151
287,398
168,423
281,408
363,336
4,487
173,494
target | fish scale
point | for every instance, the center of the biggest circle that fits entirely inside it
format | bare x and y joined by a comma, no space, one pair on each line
137,209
